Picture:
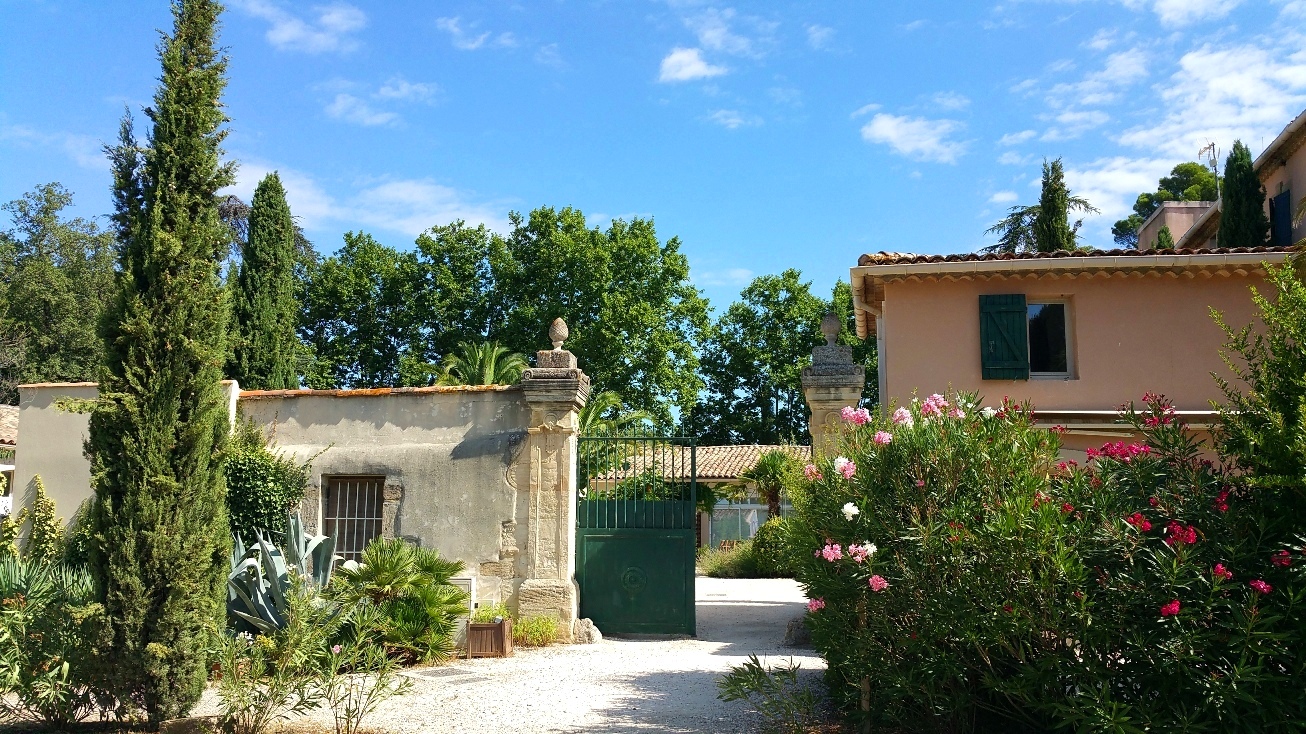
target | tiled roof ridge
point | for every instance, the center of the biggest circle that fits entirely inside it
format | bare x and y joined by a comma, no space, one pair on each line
900,258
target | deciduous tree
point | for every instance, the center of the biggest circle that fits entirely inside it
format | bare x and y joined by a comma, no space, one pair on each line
1190,181
159,525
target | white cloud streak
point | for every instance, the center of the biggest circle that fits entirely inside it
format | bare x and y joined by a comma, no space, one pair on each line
687,64
330,29
916,138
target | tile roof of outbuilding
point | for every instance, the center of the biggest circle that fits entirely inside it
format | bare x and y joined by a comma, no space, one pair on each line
8,425
906,258
712,463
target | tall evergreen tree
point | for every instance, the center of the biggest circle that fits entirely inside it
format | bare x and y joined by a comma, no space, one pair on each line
263,299
159,528
1052,230
1243,222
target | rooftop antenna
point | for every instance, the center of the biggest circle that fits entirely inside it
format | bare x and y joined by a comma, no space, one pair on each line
1212,160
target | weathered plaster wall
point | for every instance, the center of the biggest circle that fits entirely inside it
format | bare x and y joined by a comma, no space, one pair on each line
1289,175
1128,335
51,443
447,455
1179,216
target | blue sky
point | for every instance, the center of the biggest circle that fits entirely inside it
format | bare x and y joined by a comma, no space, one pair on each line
764,135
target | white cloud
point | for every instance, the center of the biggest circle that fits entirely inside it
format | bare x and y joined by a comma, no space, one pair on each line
1112,184
1242,92
404,206
463,40
819,36
951,100
349,108
1185,12
399,88
916,137
864,109
1073,123
330,30
786,95
914,25
727,277
548,56
1012,158
715,30
1017,138
1003,197
732,119
1105,86
84,150
686,64
1102,40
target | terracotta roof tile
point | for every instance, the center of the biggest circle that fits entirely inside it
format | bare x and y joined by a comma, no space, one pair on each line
713,463
900,258
8,425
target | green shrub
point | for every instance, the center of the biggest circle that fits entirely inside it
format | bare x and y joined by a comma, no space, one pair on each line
48,630
769,549
488,613
535,631
785,705
736,563
262,486
417,608
76,543
963,578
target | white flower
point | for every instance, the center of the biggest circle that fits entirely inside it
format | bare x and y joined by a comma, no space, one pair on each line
869,547
988,412
850,511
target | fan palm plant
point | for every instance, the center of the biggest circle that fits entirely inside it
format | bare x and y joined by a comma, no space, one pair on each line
487,363
774,471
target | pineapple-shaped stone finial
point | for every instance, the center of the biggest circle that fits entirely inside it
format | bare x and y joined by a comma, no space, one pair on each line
558,333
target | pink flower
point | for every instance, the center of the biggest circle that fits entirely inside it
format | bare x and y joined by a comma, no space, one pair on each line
920,482
811,473
1171,609
1181,534
856,416
956,413
933,406
1067,508
1221,573
877,583
1281,559
832,552
902,417
860,553
814,605
1153,501
335,649
883,437
845,467
1260,586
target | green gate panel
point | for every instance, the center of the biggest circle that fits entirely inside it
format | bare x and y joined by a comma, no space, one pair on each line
637,580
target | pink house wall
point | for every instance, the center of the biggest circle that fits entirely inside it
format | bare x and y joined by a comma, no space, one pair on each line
1128,335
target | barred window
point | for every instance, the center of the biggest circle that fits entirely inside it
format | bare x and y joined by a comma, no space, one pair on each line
351,512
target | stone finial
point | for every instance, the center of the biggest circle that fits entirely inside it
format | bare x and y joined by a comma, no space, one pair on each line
558,333
830,326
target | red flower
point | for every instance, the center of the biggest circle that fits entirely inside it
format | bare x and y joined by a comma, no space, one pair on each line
1222,501
1067,508
1153,501
1138,521
1221,573
1281,559
1007,608
1260,586
1171,609
1181,534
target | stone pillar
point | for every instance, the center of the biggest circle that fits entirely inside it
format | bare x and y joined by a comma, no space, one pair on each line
832,383
555,391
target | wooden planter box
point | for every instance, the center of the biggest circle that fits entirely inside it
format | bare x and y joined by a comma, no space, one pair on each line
489,639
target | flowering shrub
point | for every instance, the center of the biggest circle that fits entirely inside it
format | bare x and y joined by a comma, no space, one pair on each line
1006,589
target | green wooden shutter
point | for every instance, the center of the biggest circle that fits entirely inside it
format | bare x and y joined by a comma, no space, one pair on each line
1004,337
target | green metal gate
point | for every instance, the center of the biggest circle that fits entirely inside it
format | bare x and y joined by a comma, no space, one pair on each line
636,533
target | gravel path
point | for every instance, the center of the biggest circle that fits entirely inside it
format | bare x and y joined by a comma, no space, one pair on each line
617,685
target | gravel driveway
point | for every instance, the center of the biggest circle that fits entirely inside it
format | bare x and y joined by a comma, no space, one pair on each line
617,685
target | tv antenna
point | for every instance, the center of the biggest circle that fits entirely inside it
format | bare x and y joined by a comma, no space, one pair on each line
1212,160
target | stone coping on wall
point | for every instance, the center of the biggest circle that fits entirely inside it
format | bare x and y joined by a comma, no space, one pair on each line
373,391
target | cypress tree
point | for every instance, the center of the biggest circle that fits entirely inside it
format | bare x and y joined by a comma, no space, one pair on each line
1052,230
1242,212
1165,238
159,537
263,300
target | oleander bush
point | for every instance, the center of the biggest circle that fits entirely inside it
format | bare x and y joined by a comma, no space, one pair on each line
962,578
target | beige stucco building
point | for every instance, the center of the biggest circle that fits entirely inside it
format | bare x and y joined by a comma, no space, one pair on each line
1076,333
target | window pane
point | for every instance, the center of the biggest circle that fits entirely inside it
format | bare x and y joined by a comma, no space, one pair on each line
1047,337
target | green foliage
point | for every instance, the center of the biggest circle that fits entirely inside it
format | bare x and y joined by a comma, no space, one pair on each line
535,631
376,316
360,677
261,579
864,350
45,532
56,275
487,613
1263,421
482,364
785,704
775,471
1013,592
736,563
1164,239
752,361
76,543
605,414
1243,222
409,586
1043,227
263,304
768,546
48,624
262,486
1190,181
158,431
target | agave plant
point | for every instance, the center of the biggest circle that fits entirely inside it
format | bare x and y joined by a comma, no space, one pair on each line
260,580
